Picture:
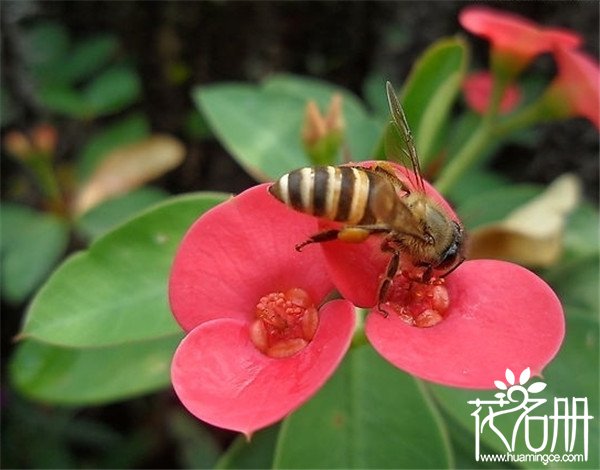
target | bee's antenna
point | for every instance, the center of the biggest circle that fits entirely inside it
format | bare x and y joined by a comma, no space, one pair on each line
401,123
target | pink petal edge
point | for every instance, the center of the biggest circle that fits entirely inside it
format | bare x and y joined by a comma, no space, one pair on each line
501,316
222,379
240,251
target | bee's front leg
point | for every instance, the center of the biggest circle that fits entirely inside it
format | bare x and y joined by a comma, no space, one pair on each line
325,236
390,273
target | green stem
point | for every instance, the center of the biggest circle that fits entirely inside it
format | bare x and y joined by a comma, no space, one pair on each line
473,148
41,167
464,159
532,114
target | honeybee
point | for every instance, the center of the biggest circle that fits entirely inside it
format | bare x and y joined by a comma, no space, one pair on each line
375,201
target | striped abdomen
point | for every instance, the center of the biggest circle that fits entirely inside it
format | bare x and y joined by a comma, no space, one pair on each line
336,193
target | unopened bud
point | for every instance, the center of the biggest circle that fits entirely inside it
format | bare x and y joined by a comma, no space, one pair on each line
44,138
17,144
322,135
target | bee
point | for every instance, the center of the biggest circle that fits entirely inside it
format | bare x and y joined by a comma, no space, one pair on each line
374,200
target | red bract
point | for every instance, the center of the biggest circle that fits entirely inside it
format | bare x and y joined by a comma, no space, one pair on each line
484,317
477,89
256,348
576,88
515,40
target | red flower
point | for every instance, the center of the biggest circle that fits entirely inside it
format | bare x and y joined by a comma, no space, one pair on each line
259,341
477,89
576,88
515,40
487,315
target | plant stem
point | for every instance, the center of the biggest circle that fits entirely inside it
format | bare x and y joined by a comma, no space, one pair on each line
532,114
473,148
41,166
464,159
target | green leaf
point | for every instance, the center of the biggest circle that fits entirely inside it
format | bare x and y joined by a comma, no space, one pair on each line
475,182
256,453
116,291
197,446
130,129
431,89
261,125
113,90
369,415
260,130
374,93
92,376
576,283
64,100
581,234
30,246
87,57
496,204
113,212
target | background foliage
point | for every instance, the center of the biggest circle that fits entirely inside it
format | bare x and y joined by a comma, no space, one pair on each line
219,79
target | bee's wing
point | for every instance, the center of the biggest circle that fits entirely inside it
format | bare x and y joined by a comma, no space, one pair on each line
404,150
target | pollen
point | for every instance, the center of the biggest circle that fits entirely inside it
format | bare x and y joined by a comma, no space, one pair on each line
419,304
284,323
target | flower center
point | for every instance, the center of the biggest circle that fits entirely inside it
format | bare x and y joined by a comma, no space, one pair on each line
285,323
418,304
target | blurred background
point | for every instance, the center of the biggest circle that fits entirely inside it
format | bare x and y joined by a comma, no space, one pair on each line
163,50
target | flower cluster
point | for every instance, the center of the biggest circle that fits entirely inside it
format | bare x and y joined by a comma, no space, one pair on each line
263,336
515,42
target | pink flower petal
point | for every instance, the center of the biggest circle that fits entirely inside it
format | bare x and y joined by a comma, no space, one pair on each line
222,378
240,251
514,34
356,268
579,80
500,316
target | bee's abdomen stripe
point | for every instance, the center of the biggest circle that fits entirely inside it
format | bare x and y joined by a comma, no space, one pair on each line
295,190
332,195
346,194
359,197
307,189
368,218
279,189
321,186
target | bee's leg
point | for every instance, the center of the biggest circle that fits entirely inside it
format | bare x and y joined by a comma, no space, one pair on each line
354,234
325,236
390,272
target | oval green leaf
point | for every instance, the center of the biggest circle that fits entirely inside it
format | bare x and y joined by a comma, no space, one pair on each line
261,125
430,91
369,415
92,376
30,245
113,90
116,291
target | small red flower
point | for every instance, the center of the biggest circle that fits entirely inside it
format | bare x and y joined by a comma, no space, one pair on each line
260,339
484,317
477,89
515,40
576,87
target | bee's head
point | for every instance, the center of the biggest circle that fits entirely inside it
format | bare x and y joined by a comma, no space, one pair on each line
453,254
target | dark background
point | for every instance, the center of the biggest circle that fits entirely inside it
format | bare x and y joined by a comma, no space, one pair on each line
342,42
